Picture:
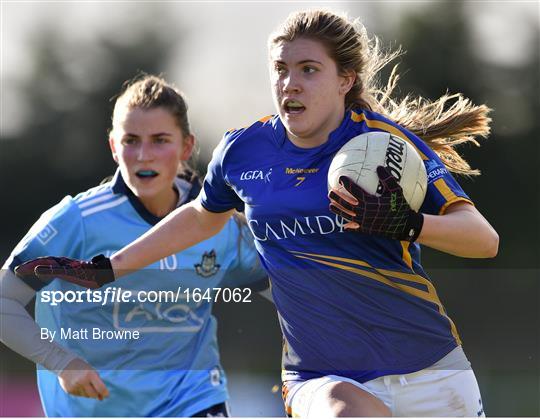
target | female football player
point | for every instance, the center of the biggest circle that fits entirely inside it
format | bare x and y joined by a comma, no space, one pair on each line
365,332
146,356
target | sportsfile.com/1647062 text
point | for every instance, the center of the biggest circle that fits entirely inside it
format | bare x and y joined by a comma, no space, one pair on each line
118,295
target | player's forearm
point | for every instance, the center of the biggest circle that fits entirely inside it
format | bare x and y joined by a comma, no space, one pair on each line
181,229
462,231
19,331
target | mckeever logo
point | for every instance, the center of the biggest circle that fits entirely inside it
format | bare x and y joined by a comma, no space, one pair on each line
300,171
256,175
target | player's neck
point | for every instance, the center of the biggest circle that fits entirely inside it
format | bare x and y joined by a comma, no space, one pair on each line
320,134
161,204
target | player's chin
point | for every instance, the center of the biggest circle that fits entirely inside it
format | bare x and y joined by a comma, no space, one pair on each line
145,188
299,127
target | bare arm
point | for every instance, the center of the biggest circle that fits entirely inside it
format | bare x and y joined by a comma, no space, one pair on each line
461,231
183,228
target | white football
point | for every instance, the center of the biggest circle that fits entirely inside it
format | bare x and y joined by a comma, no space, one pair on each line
359,158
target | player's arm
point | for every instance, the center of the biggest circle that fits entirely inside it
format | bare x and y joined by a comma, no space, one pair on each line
183,228
461,231
20,332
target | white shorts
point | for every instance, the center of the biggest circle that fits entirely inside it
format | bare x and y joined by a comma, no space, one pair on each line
425,393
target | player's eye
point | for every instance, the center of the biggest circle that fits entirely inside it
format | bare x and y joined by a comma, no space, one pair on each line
308,69
129,140
281,70
161,140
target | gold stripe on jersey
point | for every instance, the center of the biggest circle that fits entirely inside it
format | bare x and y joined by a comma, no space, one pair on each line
449,196
444,190
457,199
263,120
266,118
430,295
373,123
406,254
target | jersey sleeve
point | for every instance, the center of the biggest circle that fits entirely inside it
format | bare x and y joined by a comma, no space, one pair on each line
246,269
217,195
442,189
58,232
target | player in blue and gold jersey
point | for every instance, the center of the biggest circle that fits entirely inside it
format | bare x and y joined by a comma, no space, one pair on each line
162,358
365,332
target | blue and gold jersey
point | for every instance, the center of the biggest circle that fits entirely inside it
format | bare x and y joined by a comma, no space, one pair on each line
349,304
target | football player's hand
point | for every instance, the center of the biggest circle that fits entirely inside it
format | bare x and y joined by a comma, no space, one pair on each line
388,215
80,379
88,274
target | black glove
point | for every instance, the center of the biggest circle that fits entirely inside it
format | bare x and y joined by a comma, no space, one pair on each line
93,274
388,215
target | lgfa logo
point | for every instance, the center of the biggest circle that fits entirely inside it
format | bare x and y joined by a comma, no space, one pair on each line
256,175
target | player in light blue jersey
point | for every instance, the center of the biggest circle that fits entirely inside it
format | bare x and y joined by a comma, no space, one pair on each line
147,356
365,332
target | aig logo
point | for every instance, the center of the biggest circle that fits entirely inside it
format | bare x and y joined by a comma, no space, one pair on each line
256,175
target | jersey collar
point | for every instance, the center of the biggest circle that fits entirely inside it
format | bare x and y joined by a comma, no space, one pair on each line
188,191
334,139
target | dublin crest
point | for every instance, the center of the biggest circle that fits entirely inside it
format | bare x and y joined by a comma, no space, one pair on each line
208,266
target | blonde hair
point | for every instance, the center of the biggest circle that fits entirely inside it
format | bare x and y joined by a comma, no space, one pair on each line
443,124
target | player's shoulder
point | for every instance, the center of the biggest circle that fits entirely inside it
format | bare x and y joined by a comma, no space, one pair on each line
99,198
97,192
261,127
239,145
69,208
379,122
64,211
51,230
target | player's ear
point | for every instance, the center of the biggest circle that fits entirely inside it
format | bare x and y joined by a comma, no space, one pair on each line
113,149
347,81
189,144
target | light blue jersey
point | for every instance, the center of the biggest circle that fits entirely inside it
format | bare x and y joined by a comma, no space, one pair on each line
173,367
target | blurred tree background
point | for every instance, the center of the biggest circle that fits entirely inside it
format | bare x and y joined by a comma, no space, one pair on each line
61,149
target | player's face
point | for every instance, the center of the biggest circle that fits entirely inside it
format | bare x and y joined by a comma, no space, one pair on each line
309,93
148,146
